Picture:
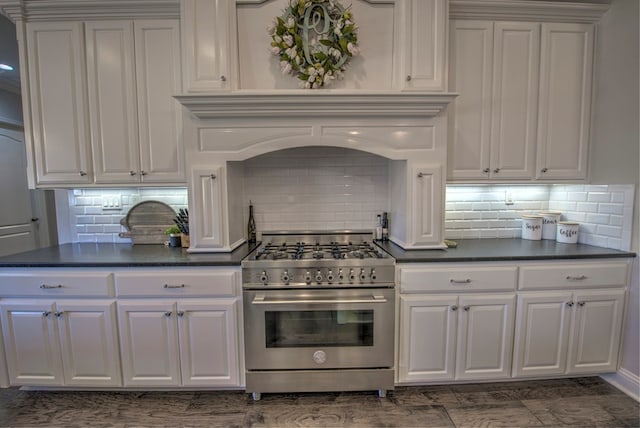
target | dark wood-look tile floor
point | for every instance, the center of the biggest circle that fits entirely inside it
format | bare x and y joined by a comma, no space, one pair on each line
583,402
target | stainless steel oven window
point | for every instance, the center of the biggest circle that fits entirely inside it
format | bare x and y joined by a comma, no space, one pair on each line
325,328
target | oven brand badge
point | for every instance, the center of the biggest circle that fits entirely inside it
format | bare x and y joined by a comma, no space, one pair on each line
320,357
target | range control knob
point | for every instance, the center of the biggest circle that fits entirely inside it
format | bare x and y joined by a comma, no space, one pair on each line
362,275
373,275
318,276
307,277
352,275
340,275
285,277
330,276
264,278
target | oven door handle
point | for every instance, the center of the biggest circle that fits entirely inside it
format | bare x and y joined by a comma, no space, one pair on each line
260,300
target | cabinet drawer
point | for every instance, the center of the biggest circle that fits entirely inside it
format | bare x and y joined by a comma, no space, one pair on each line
176,283
53,283
572,275
458,278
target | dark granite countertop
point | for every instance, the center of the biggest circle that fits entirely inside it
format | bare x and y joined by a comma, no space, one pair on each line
121,255
126,255
469,250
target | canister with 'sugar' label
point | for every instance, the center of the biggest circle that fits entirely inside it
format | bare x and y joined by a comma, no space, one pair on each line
532,227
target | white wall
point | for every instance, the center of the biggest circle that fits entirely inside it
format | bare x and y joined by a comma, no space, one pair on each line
615,139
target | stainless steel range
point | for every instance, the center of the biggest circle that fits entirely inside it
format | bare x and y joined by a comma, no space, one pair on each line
318,314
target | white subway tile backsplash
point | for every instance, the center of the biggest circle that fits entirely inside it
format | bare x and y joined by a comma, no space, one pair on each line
611,208
598,218
611,231
598,197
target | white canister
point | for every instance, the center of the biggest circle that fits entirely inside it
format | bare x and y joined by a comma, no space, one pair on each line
567,232
549,221
532,227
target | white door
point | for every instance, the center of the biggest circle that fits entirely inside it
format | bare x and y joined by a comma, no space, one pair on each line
31,342
427,338
428,200
595,332
542,333
208,342
564,112
149,343
58,102
112,101
514,100
16,226
206,197
485,336
157,55
89,342
470,72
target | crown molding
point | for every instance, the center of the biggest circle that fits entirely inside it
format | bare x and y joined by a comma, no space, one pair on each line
56,10
527,10
314,104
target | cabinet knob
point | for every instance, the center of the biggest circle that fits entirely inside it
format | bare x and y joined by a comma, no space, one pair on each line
132,173
486,170
143,172
46,313
408,78
570,304
167,314
59,314
180,313
454,308
223,78
581,303
543,170
497,170
213,176
420,175
82,173
466,308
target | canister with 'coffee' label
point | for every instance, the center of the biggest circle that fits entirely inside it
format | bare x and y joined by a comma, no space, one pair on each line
567,232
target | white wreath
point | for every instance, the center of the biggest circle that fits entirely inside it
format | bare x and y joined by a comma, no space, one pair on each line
315,39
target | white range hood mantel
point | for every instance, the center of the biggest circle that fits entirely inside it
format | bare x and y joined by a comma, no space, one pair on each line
305,103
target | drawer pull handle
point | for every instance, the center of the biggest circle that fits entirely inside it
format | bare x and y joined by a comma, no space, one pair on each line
174,286
49,287
460,281
576,278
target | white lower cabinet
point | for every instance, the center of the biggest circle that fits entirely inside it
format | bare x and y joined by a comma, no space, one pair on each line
561,333
65,342
189,342
446,337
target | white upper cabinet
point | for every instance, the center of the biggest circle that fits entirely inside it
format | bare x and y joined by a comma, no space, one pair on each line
133,72
206,29
422,26
564,114
58,101
494,67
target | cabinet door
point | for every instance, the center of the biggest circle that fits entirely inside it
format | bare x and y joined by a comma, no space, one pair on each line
56,58
112,101
564,111
470,113
208,342
424,23
206,32
157,44
485,336
149,343
89,342
207,200
595,332
427,338
31,343
428,206
542,333
514,99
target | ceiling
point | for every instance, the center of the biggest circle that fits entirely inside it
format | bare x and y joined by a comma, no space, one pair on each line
9,80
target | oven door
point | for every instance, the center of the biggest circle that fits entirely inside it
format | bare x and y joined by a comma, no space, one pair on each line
319,329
